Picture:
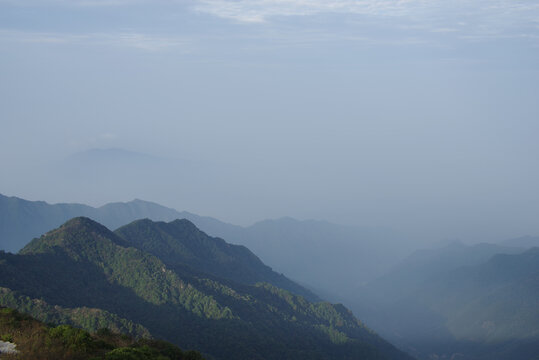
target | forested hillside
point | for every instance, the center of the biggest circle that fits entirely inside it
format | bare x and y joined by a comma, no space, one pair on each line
33,339
181,243
84,265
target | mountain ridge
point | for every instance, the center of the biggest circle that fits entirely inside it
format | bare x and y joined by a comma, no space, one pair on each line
478,301
84,264
180,242
282,243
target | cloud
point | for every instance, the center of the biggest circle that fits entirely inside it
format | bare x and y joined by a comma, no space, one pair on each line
481,17
139,41
263,10
368,21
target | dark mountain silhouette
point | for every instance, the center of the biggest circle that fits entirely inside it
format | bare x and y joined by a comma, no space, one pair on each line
83,264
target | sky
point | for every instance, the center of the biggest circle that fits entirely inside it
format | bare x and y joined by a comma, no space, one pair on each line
420,116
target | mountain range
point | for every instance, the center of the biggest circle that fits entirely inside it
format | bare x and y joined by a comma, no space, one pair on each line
345,256
425,303
458,301
162,278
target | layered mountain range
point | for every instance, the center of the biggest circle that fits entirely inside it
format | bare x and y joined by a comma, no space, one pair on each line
171,281
328,257
466,302
455,301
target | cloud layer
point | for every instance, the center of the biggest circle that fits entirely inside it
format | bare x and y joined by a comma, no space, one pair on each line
387,22
263,10
461,19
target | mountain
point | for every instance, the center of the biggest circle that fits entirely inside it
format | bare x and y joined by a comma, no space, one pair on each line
522,242
474,302
494,301
427,263
105,173
26,219
22,220
29,338
91,319
82,264
325,256
180,243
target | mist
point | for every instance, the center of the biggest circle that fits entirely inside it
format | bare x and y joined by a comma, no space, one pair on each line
417,118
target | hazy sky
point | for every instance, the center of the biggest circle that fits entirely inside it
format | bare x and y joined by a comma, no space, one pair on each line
412,114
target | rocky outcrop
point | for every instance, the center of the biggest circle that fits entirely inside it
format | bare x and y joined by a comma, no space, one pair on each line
7,348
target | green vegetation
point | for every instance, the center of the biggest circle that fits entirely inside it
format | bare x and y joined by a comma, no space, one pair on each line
35,340
83,268
90,319
180,243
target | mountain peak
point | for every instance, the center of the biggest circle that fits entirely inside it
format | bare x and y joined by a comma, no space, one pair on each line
181,242
74,233
85,224
184,223
81,221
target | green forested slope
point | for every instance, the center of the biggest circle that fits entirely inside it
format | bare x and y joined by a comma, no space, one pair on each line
180,243
35,340
91,319
83,264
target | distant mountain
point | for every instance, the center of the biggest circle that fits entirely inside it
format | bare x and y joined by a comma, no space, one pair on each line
22,220
325,256
473,302
28,219
116,173
428,263
83,264
522,242
494,301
